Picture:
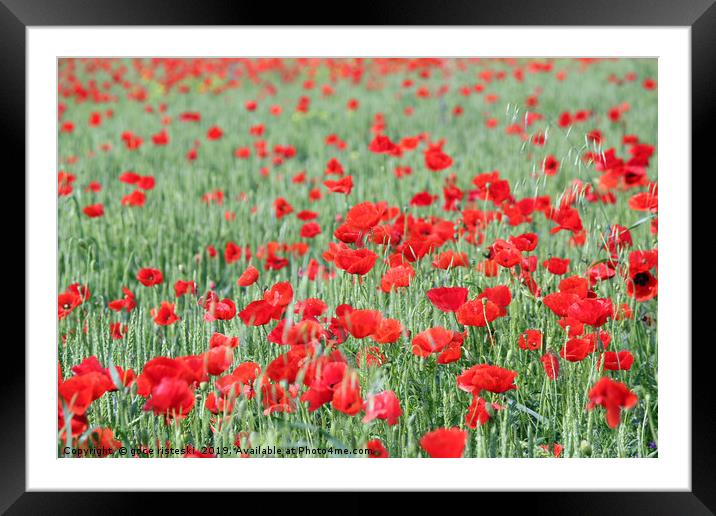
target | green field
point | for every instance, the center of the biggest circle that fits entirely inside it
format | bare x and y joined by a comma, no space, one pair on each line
174,227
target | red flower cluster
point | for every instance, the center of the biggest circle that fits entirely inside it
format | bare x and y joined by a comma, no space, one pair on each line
350,298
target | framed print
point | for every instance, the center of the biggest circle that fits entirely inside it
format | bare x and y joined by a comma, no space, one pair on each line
389,257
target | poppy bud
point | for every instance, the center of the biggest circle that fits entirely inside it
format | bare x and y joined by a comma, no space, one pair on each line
585,448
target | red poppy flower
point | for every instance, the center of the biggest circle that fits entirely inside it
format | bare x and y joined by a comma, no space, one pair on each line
573,327
232,252
249,276
359,261
218,309
286,366
478,413
381,144
384,405
349,235
435,159
322,379
556,449
164,315
92,365
306,215
145,183
505,254
619,237
486,377
257,313
397,277
95,119
616,361
530,339
566,218
190,116
550,363
246,374
93,210
489,267
196,368
272,306
453,351
136,198
478,312
644,201
388,331
219,339
126,303
102,442
78,392
576,350
447,299
550,166
423,199
500,295
171,397
310,230
218,359
613,396
364,216
305,332
431,341
342,186
376,450
150,277
282,207
160,367
310,308
347,396
491,188
66,302
559,302
81,290
275,399
117,330
280,295
574,285
642,286
450,260
643,261
93,186
446,443
129,177
361,323
525,242
600,272
594,312
557,266
334,167
184,287
131,140
598,340
64,183
214,133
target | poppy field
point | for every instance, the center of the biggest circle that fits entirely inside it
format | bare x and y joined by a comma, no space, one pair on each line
369,258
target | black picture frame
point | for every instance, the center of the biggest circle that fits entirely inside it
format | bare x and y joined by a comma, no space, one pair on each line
700,15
